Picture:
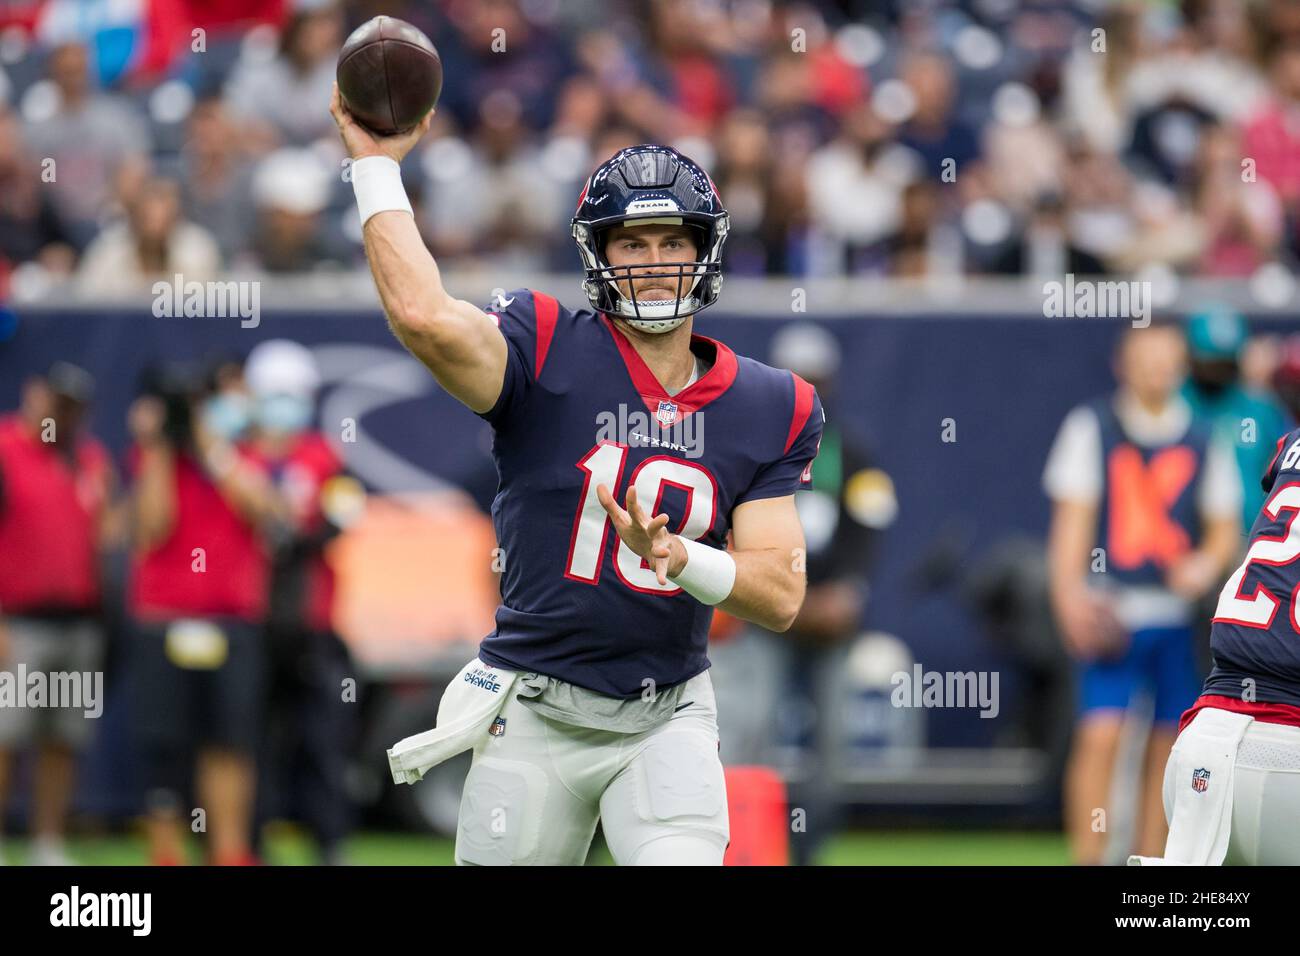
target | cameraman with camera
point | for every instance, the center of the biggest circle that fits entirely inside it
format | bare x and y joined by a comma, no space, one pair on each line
198,596
310,724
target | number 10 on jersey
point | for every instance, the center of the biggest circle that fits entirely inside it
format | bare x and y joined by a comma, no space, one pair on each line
603,465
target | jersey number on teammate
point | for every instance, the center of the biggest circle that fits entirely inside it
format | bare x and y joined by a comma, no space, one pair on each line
1258,610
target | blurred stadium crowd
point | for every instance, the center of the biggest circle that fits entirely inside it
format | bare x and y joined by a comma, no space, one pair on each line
852,137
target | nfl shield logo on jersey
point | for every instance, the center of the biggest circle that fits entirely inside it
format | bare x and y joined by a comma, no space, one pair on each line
667,413
498,727
1201,780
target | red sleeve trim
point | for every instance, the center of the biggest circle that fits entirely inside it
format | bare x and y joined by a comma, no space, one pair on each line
547,311
1273,461
803,406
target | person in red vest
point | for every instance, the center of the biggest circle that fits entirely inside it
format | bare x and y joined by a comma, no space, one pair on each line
198,595
311,715
56,483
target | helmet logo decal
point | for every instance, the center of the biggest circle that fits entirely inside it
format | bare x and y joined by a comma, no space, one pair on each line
652,205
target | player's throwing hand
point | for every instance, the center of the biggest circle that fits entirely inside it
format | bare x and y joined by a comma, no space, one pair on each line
646,536
360,142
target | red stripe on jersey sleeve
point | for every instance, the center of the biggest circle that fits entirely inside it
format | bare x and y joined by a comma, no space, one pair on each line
546,310
1272,461
803,405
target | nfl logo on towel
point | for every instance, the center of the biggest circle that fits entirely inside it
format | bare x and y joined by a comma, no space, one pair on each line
1201,780
498,727
667,413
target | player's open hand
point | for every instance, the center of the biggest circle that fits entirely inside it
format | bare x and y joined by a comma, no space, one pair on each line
646,536
360,142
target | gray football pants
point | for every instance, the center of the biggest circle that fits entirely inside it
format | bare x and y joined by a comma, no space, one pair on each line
535,793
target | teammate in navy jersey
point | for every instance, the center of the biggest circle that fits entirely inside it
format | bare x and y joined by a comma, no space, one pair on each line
1232,783
616,416
1254,639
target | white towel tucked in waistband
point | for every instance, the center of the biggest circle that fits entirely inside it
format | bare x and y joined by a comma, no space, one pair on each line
468,707
1198,790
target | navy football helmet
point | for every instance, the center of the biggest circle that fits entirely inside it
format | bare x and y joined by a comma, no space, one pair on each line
651,184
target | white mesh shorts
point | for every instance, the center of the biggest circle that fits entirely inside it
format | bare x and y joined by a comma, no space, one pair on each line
1264,829
1266,798
536,790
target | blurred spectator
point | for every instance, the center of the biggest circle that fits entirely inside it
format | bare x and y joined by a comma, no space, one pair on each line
1166,139
1044,248
1146,506
494,49
311,717
582,112
743,175
154,242
1095,82
494,194
99,144
1024,155
31,228
686,91
785,96
283,96
912,247
291,189
1277,25
933,129
1250,422
216,177
1097,196
1271,139
1260,358
1163,230
56,485
197,597
1243,221
855,187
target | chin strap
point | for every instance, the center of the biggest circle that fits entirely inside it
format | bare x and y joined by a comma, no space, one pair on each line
653,326
656,324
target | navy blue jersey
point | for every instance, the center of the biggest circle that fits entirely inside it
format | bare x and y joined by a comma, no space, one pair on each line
1149,517
1255,639
580,409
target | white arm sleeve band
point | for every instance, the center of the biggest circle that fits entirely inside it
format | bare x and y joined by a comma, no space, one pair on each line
709,575
377,182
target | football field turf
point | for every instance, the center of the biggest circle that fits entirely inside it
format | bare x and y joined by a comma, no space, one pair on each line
287,846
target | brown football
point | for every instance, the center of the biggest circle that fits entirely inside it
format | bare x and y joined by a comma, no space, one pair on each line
389,75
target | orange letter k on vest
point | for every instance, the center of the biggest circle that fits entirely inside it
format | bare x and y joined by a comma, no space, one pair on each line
1140,498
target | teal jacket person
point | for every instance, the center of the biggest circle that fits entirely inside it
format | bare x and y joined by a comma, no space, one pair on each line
1254,420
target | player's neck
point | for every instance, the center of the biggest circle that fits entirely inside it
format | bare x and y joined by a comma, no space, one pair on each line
667,354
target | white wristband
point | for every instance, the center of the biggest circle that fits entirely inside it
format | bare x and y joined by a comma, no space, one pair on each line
709,575
377,182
